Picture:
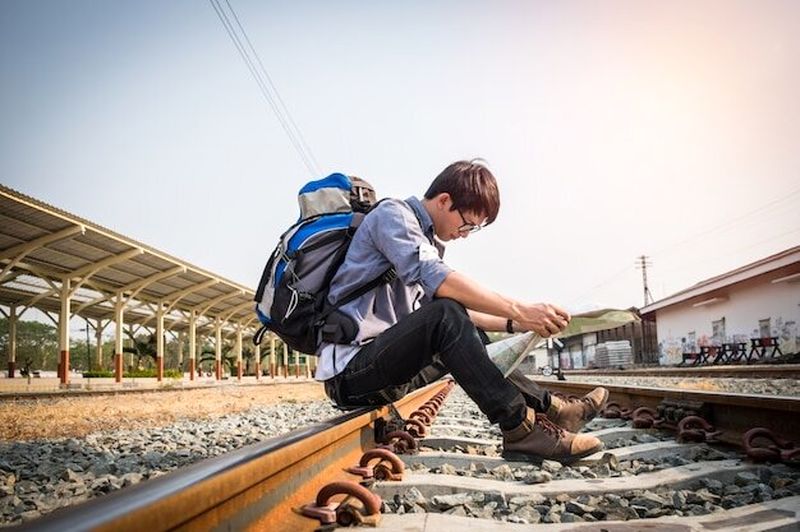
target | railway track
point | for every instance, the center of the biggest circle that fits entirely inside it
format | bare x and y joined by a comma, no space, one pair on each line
445,472
755,371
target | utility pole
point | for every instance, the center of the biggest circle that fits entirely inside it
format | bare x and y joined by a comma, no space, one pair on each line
642,263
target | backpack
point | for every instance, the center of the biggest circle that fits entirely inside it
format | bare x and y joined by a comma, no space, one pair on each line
292,296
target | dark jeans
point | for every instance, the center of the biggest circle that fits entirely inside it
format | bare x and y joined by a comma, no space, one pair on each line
437,339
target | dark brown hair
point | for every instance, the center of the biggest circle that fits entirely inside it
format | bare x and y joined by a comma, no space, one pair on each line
471,186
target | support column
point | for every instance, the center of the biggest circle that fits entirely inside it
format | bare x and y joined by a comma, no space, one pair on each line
12,341
218,350
98,336
181,338
297,364
273,359
258,362
63,333
118,337
238,353
285,361
130,355
307,359
192,345
160,342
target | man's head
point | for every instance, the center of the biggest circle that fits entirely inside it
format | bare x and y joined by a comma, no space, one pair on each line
462,199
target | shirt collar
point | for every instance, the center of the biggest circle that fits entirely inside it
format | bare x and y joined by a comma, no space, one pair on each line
426,222
422,215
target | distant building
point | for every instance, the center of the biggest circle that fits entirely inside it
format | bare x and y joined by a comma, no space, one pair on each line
759,300
634,343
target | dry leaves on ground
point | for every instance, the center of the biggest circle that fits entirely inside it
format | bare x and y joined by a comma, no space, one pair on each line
74,416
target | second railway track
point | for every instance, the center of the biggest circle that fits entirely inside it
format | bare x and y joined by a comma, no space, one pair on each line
329,472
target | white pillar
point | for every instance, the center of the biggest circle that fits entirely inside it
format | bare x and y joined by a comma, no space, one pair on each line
130,355
63,332
119,306
192,344
285,360
218,349
273,359
160,341
239,368
12,341
181,339
98,336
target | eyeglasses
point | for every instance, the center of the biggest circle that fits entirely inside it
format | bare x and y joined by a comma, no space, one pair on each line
468,227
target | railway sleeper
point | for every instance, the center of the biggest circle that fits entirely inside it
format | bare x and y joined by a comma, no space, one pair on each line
782,514
672,484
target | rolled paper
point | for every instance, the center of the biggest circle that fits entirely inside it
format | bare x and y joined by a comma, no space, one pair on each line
509,352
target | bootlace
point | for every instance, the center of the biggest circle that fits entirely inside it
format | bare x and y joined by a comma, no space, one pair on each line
548,426
585,403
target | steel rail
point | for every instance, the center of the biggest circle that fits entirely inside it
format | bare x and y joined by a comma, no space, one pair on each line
761,371
256,487
731,413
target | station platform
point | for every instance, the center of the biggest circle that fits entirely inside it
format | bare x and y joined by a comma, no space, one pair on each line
47,385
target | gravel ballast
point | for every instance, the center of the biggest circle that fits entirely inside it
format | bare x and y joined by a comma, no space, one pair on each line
38,476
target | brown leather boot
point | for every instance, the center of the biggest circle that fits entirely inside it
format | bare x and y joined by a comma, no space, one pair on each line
573,414
537,439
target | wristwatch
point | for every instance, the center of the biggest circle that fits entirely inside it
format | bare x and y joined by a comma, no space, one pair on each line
510,326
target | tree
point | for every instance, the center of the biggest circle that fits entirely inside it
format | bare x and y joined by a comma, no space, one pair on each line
37,342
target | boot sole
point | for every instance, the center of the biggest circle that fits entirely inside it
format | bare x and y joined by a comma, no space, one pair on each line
516,456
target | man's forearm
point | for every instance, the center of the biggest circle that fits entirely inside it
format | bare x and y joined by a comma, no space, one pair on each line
490,323
475,297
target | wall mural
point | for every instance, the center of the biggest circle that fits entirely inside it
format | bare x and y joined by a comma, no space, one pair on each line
671,349
786,331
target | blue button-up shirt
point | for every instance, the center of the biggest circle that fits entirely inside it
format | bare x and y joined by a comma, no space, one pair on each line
395,234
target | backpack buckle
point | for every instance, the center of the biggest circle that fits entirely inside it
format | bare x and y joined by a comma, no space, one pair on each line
389,275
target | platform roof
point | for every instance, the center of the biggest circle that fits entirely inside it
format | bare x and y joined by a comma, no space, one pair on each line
41,246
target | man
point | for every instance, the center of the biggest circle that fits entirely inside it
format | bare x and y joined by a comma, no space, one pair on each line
428,321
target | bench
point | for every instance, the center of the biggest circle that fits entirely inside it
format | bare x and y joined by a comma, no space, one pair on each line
760,346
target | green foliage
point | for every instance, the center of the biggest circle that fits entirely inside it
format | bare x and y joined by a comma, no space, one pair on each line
145,373
96,374
37,343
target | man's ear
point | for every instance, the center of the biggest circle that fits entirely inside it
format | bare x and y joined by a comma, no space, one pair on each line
443,200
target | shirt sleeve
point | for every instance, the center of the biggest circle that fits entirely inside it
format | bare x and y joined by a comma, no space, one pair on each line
396,233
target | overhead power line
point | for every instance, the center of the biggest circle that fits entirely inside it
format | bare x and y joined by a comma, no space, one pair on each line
266,85
731,222
785,197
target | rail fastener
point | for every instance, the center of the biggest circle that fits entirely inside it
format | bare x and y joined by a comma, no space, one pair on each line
763,445
697,429
344,513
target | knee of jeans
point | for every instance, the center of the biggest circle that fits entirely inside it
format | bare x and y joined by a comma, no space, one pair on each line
456,321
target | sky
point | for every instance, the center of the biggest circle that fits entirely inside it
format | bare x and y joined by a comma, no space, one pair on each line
615,129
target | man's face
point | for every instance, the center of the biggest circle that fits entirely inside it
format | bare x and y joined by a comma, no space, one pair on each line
454,224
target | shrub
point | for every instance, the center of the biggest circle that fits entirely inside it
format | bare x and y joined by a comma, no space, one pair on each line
145,373
95,374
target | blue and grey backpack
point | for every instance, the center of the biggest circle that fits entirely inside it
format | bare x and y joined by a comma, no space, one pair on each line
292,296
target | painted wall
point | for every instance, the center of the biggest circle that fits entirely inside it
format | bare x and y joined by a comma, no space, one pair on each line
589,343
683,327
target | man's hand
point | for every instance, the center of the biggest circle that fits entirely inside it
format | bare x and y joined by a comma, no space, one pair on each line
542,318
